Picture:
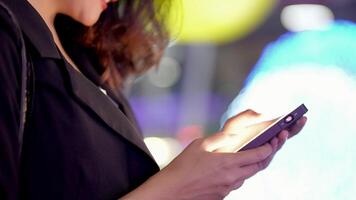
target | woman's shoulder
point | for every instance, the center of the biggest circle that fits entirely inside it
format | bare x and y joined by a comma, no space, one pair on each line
8,29
10,47
9,33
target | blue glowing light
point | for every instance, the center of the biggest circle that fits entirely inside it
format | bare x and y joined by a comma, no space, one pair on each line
335,45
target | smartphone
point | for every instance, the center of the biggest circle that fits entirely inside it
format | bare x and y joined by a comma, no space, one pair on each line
272,130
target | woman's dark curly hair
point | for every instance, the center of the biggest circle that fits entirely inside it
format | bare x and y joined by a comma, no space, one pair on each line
129,38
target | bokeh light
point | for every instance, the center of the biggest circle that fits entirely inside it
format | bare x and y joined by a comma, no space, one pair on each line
216,21
316,68
167,74
303,17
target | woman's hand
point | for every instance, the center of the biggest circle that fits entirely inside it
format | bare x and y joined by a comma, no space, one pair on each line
250,117
204,171
247,122
200,174
244,119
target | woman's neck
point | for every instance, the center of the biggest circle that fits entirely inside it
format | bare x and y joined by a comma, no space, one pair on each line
48,9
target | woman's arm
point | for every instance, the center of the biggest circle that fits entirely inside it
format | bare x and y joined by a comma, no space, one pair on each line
9,109
202,172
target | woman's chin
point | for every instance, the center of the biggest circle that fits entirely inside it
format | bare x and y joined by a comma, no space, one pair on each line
88,21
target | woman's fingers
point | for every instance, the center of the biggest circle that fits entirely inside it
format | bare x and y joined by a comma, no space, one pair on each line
282,138
258,162
235,161
207,174
245,164
276,144
249,170
243,173
297,127
252,156
236,185
259,127
242,119
232,139
234,168
219,141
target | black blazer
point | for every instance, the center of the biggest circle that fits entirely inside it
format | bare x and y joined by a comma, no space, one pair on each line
80,143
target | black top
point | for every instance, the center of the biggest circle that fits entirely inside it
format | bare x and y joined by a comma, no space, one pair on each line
79,144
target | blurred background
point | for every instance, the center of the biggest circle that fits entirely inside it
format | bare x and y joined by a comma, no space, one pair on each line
270,56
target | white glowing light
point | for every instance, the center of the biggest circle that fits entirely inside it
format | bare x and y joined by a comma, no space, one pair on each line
163,150
167,74
304,17
318,163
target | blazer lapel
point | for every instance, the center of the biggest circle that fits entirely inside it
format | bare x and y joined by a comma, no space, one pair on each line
119,97
85,90
90,95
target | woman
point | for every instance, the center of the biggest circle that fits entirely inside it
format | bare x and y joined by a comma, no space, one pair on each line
82,141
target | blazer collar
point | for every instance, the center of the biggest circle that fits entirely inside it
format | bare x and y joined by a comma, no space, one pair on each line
34,28
85,88
89,94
